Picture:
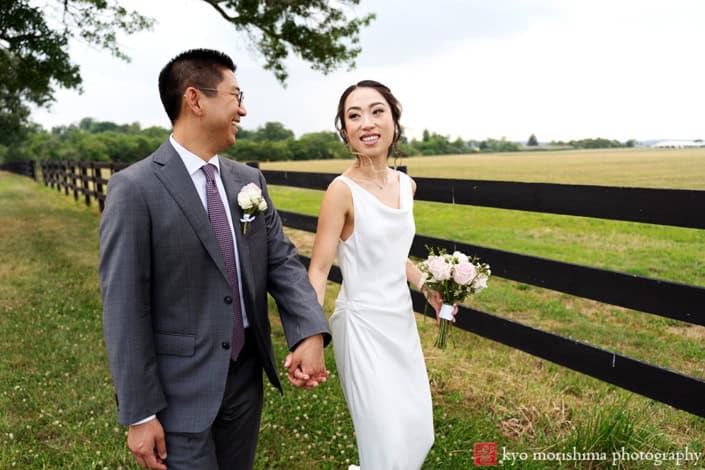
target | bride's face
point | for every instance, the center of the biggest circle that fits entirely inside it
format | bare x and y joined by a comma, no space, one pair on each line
369,123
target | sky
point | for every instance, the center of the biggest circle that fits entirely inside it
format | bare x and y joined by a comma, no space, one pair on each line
475,69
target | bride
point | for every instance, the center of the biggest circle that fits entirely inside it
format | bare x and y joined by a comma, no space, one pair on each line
366,220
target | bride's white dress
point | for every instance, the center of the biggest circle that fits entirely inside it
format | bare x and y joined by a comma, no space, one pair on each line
376,342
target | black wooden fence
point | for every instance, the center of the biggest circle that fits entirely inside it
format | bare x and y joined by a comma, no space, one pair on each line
24,168
88,180
683,208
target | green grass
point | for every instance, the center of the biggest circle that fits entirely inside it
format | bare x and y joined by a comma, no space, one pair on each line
56,404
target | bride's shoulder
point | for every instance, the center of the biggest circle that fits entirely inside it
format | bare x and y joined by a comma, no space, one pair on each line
339,187
403,176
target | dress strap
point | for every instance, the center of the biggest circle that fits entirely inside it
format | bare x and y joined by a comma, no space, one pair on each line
406,195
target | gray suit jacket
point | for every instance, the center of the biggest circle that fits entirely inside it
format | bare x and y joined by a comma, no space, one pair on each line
164,284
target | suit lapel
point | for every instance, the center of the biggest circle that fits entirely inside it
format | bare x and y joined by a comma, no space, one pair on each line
170,170
233,183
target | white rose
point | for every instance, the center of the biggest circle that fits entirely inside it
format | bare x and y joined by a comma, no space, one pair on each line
461,257
248,196
464,273
262,205
439,269
480,282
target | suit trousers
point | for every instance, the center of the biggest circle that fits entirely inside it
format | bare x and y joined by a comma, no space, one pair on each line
230,442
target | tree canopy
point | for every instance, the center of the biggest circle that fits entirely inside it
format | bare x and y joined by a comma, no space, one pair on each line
34,42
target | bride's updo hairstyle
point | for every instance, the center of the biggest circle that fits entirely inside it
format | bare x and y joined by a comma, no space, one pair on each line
391,100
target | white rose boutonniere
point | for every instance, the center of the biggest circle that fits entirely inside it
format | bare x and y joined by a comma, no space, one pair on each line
251,202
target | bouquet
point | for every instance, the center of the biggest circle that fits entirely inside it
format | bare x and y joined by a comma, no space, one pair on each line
455,276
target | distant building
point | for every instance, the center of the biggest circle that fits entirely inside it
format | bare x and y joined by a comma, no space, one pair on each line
678,144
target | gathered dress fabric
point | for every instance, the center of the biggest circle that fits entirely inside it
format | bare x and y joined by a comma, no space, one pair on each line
376,342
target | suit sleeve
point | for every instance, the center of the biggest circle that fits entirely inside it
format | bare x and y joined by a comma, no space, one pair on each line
125,261
299,310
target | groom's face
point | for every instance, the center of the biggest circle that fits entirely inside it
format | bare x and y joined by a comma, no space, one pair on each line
223,110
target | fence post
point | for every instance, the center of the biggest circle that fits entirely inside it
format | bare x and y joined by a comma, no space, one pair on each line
62,175
73,176
84,182
45,173
99,194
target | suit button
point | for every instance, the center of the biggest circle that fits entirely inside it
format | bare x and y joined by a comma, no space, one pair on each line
225,345
228,300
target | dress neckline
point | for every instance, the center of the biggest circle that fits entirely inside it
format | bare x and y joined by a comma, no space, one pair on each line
347,178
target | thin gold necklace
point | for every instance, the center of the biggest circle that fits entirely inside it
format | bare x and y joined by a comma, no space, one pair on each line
374,181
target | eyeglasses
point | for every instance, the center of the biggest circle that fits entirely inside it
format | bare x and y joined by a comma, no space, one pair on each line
239,94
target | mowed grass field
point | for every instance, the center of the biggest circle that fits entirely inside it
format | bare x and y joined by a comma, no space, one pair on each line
56,405
637,167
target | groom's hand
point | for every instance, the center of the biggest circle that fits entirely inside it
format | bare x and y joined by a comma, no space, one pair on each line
306,365
147,444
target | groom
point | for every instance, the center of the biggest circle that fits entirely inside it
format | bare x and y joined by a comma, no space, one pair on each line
184,285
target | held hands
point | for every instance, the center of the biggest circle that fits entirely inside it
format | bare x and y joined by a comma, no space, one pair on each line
306,364
147,444
433,297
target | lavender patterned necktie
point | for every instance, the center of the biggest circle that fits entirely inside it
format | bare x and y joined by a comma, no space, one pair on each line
219,222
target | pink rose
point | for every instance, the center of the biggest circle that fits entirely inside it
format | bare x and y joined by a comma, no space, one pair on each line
439,269
464,273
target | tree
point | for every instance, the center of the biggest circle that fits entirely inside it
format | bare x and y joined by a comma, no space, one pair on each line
34,57
533,142
34,42
318,146
316,30
273,131
501,145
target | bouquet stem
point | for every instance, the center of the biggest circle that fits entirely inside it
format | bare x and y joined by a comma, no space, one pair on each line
446,317
443,331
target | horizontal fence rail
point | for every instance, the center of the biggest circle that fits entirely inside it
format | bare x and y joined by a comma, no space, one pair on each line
80,178
678,207
24,168
668,299
673,388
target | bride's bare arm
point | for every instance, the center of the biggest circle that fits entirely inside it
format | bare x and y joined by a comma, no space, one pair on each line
335,221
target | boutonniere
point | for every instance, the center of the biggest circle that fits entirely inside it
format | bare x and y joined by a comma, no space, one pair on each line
251,202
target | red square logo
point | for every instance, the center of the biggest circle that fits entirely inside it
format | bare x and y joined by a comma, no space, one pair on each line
485,454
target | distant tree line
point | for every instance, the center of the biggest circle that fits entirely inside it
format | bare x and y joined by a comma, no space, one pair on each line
598,143
93,140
